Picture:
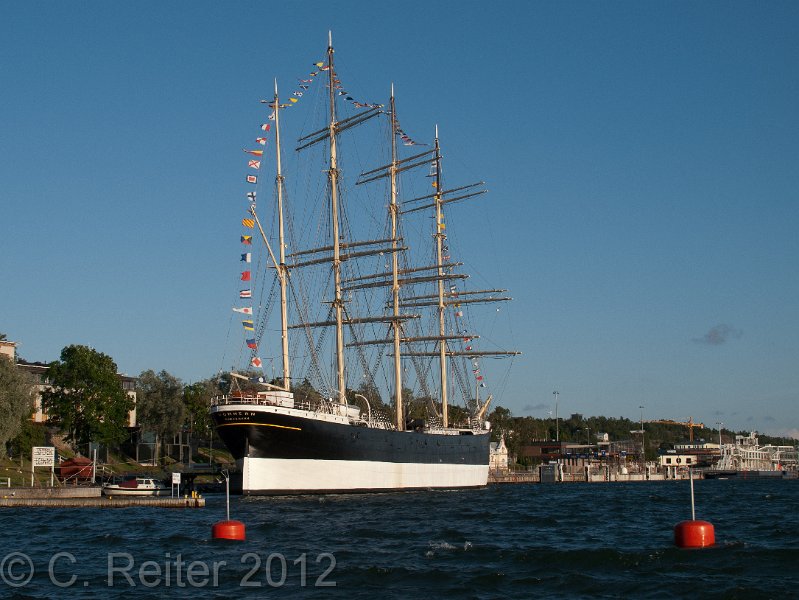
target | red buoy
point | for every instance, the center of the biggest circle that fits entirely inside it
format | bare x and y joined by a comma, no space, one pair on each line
694,534
228,530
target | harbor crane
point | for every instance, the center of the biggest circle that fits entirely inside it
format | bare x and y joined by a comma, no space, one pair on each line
689,424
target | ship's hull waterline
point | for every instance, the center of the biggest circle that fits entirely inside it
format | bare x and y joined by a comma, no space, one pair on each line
286,451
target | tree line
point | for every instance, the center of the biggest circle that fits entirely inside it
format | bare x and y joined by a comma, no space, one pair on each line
577,429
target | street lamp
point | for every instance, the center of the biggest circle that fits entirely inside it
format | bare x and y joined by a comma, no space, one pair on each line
557,429
587,435
643,447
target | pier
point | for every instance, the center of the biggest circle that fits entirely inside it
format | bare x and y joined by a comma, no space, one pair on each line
551,474
90,497
102,502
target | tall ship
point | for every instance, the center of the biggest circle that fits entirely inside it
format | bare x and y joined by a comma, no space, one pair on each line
377,380
747,459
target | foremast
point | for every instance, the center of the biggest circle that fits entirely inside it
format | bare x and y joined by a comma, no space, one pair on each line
282,269
280,263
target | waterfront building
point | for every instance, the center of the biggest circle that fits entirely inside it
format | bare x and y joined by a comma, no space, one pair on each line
498,456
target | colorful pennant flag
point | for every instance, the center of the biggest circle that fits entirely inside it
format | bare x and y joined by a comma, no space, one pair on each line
245,275
254,152
254,164
245,310
252,179
246,240
265,126
248,325
245,294
252,344
406,139
251,196
261,141
246,257
250,223
256,362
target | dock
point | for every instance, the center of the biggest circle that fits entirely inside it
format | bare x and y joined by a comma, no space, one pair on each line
9,501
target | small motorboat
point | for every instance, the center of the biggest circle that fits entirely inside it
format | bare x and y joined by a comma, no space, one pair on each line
137,486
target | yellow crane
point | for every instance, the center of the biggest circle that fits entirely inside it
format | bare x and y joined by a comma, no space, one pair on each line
689,424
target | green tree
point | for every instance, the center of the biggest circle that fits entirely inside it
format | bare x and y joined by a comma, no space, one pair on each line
305,392
86,399
32,434
503,424
17,392
197,400
369,391
159,405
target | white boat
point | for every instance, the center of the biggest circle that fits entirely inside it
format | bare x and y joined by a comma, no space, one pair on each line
137,486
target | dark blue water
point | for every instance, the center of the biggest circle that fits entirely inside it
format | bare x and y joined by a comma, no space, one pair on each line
513,541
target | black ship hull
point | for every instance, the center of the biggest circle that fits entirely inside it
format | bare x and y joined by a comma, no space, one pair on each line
288,451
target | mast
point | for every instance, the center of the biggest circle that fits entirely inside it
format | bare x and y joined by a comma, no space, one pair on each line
282,270
338,303
394,210
440,236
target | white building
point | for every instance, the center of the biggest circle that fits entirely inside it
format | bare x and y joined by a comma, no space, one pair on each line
498,456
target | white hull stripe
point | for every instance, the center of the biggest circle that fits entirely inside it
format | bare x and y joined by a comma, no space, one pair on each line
267,475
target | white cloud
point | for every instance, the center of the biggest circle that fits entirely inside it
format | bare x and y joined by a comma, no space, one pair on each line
789,433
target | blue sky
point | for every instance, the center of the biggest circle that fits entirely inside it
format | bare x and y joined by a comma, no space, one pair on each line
641,159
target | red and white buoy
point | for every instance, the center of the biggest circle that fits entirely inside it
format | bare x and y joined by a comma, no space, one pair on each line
228,529
693,533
